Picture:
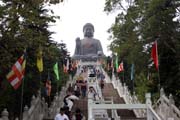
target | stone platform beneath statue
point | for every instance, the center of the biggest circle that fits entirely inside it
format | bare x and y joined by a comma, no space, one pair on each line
87,58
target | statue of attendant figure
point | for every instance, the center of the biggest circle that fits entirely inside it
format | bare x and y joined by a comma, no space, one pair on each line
88,46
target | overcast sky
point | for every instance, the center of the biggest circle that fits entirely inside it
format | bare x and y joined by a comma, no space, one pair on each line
74,14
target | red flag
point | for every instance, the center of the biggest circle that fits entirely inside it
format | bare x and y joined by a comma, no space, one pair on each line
120,68
154,54
17,73
65,68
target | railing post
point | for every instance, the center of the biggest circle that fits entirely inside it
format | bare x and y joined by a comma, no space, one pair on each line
25,113
33,100
43,106
5,114
148,99
112,111
162,92
148,104
90,116
171,102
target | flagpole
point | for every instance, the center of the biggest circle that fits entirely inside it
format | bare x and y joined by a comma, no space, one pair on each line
123,77
132,77
133,85
48,90
22,90
159,82
22,94
57,87
40,77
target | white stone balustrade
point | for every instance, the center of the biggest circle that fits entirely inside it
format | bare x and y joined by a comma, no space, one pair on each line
165,107
124,92
4,115
57,103
39,109
35,112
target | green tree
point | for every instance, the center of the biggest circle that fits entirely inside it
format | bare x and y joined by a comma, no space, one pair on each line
133,32
24,24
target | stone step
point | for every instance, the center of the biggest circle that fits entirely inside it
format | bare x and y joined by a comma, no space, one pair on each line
82,105
108,92
133,118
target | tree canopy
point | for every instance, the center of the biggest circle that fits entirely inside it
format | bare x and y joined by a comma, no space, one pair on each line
24,25
138,24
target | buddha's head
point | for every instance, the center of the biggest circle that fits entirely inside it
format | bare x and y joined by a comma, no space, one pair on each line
88,30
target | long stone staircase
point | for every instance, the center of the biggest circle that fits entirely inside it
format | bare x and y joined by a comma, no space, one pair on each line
125,114
121,106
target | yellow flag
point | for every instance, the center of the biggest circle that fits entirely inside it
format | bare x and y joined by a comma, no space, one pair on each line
40,60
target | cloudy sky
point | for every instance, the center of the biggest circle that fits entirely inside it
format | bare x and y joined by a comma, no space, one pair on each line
74,14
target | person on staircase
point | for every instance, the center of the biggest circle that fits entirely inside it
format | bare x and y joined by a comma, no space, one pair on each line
69,100
102,80
92,94
84,89
70,88
78,115
77,91
61,115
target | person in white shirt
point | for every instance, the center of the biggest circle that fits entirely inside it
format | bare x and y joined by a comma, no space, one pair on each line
69,101
61,115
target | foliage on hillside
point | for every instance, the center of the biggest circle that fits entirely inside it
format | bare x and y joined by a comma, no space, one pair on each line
138,24
24,25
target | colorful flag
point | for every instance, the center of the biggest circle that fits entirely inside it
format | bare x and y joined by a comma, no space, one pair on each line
17,73
116,64
67,64
112,64
74,64
40,60
132,71
121,67
154,54
56,71
48,87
